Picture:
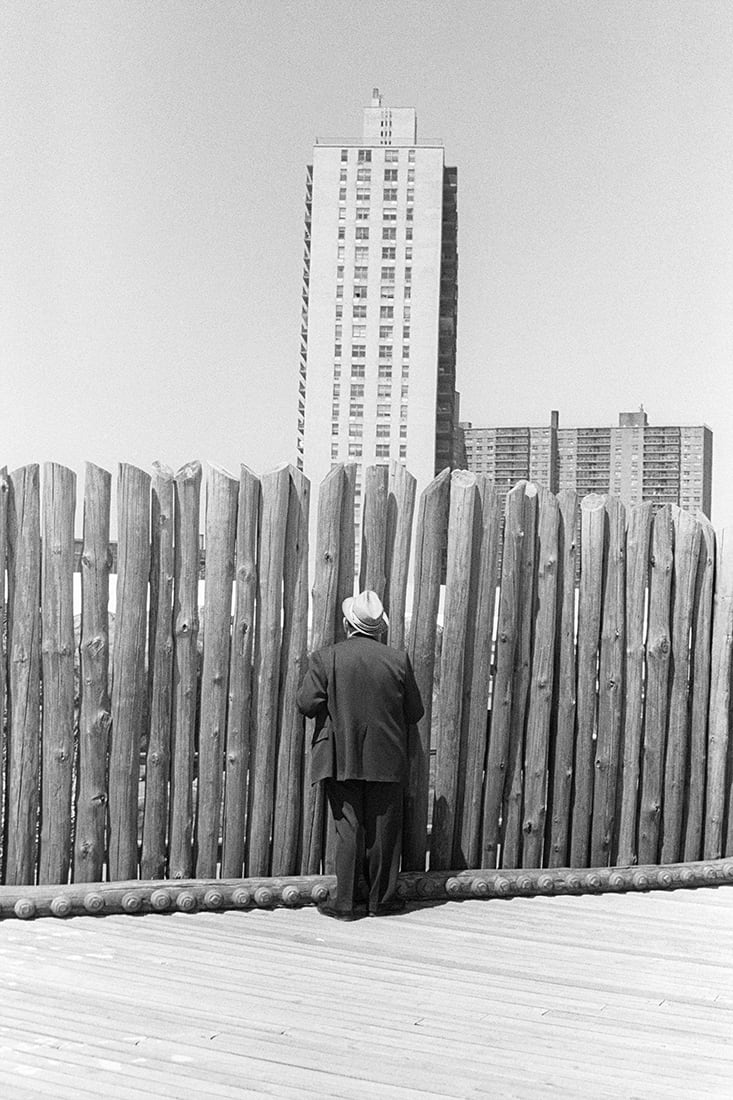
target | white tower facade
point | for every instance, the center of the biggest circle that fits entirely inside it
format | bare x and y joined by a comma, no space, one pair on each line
377,368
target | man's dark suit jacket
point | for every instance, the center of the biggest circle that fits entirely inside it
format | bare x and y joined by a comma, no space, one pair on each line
364,697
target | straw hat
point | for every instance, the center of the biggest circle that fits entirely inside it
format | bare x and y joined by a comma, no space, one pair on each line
365,613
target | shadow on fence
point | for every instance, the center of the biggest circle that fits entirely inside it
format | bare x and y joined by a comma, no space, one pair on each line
585,670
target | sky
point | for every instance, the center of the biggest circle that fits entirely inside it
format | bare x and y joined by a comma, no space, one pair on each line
152,194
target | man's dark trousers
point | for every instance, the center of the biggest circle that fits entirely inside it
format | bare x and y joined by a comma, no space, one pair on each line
362,808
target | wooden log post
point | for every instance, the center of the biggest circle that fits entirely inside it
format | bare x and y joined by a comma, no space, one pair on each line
592,537
271,555
463,500
658,648
347,548
24,659
604,821
185,668
372,573
129,682
432,528
240,676
222,491
324,613
506,644
638,548
293,661
684,581
400,511
511,833
160,674
57,658
562,720
477,681
721,670
701,644
95,716
537,748
4,710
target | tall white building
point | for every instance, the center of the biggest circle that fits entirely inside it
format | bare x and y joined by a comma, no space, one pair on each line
378,331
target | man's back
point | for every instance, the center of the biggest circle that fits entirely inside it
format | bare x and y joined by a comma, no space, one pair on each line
364,697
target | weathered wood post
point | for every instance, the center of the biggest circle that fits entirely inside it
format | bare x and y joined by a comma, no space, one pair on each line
537,747
657,686
160,674
185,667
721,667
271,555
694,827
562,736
222,491
324,612
463,501
347,548
57,650
400,512
374,530
24,654
638,545
95,715
240,676
432,527
128,668
592,536
604,822
477,683
4,494
684,580
506,645
511,832
293,659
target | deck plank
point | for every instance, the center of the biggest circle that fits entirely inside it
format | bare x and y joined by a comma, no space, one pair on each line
612,995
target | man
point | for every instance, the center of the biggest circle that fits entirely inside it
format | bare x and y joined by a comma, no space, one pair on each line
364,698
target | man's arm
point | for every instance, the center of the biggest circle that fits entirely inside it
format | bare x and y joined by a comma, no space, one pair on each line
313,692
413,705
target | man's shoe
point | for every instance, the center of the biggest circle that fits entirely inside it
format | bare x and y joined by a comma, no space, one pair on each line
397,905
337,914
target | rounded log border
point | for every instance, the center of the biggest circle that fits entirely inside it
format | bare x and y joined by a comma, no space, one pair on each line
171,895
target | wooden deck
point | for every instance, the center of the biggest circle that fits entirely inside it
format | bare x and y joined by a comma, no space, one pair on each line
594,996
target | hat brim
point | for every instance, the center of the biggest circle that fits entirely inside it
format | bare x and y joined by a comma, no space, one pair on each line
373,629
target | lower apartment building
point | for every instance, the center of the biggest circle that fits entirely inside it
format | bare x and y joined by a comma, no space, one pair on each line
634,460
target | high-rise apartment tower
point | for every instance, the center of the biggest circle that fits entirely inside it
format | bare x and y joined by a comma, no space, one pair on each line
378,327
635,460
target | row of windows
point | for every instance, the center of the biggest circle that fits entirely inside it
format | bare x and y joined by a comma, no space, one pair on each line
361,252
390,195
364,175
387,291
386,313
386,332
389,232
391,156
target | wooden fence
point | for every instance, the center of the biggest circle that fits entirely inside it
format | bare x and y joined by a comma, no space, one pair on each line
581,654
